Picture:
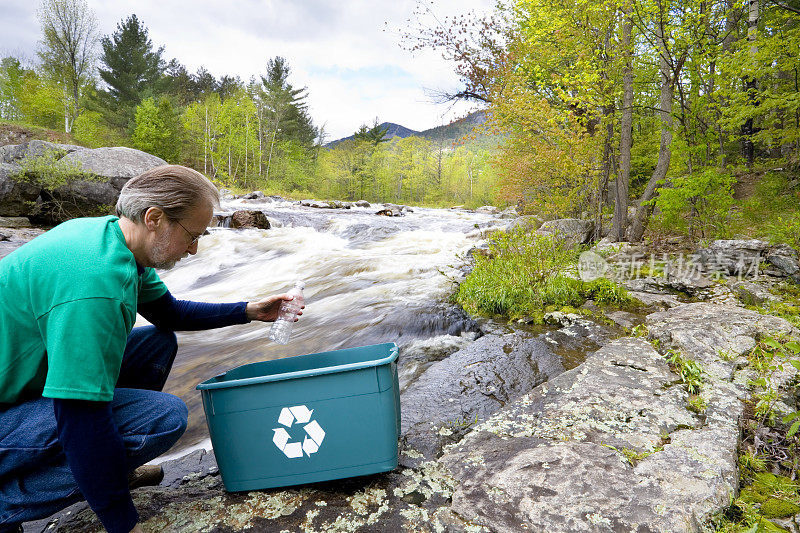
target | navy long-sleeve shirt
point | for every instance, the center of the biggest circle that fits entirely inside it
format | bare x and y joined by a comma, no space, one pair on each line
99,463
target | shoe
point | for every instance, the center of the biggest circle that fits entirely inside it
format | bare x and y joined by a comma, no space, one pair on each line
145,476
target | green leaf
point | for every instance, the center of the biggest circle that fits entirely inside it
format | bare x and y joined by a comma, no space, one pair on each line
795,363
793,429
772,343
794,346
791,416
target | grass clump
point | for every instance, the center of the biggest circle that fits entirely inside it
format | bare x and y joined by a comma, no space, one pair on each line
690,371
525,275
521,276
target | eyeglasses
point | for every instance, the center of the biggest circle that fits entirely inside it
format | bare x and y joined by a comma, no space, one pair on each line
195,238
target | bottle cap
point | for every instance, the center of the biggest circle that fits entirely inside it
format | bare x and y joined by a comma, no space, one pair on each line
300,284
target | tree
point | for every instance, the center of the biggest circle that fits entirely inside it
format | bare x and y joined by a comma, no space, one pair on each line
157,129
281,112
12,79
132,70
374,135
67,49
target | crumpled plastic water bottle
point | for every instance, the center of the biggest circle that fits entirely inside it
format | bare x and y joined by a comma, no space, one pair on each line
282,327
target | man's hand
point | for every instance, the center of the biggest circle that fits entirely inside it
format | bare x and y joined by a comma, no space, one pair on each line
267,309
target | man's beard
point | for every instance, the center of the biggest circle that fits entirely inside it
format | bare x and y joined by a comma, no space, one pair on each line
159,256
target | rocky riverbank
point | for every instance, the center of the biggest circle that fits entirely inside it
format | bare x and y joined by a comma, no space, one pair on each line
498,436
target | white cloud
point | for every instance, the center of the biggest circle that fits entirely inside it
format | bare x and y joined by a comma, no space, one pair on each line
347,53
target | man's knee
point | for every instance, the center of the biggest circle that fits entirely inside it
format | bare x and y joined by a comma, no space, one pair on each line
175,414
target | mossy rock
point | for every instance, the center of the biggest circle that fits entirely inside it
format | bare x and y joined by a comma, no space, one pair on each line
779,508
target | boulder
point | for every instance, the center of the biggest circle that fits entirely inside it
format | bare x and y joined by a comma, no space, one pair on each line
607,446
16,195
487,209
15,222
570,231
255,195
113,165
317,204
691,284
13,153
733,257
249,219
751,293
390,212
477,380
362,203
784,260
714,335
528,222
509,212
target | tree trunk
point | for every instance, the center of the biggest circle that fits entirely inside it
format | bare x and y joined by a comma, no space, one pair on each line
668,78
626,134
750,82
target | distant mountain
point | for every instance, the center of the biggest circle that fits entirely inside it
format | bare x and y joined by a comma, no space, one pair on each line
456,129
449,132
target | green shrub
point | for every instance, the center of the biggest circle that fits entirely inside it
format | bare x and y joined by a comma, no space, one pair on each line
50,171
606,292
521,276
698,204
527,275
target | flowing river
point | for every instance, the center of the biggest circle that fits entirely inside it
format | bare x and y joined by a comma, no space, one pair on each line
369,279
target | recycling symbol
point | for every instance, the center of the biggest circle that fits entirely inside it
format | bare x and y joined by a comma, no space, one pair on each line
314,433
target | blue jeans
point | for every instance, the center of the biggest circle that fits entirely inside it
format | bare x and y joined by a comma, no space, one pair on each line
35,480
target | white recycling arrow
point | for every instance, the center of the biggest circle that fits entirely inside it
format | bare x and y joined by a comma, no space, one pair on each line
315,431
286,418
309,446
293,450
280,438
301,413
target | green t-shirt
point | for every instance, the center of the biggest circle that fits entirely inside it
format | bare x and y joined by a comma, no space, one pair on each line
68,301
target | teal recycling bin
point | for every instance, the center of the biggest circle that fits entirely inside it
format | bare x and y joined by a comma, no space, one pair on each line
306,418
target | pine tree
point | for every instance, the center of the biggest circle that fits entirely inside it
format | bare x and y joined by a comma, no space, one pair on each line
285,108
132,70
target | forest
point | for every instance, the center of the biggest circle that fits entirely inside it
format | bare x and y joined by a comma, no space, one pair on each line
657,115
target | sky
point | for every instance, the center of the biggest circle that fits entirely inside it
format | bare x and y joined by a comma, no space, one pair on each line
346,52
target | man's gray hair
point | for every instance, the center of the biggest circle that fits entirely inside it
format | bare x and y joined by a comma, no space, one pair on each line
174,189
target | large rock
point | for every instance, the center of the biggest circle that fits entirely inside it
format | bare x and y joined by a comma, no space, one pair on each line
17,196
317,204
249,219
715,335
13,153
478,380
783,259
734,257
569,231
115,165
602,447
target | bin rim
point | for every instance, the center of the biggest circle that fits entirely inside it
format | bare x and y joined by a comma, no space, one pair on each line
393,352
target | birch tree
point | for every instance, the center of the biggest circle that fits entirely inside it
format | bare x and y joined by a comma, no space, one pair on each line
67,49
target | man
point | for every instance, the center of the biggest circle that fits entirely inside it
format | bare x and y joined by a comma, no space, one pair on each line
81,405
